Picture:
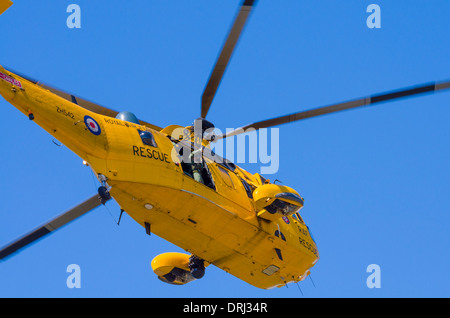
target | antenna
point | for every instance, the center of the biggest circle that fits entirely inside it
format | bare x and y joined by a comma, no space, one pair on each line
310,277
299,288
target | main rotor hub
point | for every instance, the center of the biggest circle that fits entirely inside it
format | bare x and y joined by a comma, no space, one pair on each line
203,128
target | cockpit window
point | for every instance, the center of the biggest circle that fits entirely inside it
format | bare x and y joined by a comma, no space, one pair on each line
298,217
147,138
248,189
280,206
225,177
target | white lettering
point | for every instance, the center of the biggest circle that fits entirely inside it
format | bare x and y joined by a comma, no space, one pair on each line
74,19
74,279
374,279
374,20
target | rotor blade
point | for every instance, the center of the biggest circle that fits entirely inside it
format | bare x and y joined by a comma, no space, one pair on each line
96,108
227,50
50,226
365,101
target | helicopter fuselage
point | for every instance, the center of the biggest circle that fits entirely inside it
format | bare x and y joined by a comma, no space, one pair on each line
217,222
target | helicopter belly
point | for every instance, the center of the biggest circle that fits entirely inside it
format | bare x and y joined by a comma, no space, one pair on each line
214,233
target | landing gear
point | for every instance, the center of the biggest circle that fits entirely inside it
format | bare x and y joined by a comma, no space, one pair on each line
197,267
178,268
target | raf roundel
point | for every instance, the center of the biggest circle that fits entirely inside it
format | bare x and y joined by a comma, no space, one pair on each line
92,125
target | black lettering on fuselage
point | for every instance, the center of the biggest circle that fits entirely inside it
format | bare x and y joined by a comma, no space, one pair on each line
150,153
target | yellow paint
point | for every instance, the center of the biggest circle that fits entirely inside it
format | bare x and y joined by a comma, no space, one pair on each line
164,263
4,5
220,226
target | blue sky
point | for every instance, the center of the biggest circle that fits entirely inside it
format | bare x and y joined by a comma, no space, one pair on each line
376,181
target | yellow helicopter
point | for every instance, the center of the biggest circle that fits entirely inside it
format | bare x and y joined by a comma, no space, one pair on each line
171,183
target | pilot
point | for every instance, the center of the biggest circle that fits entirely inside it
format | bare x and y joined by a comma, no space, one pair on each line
196,161
191,153
196,166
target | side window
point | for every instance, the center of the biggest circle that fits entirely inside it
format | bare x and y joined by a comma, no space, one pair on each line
247,188
225,177
279,234
147,138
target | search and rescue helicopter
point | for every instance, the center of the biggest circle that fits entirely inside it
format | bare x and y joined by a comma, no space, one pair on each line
171,183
